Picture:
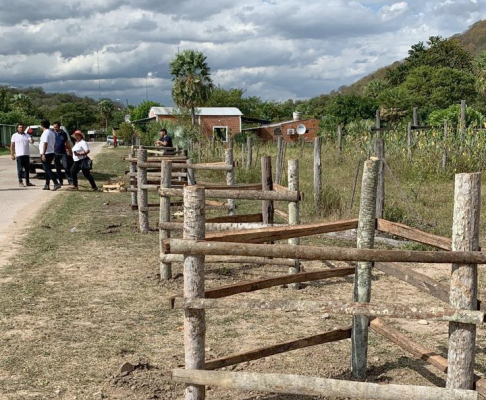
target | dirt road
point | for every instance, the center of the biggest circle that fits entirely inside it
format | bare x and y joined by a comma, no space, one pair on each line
19,205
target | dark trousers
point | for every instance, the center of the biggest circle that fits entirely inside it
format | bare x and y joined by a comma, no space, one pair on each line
47,166
77,166
63,161
23,163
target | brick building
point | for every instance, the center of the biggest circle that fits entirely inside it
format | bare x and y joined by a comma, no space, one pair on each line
291,130
214,121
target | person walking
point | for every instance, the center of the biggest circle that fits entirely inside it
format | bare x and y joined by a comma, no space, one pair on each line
81,161
62,154
19,150
46,149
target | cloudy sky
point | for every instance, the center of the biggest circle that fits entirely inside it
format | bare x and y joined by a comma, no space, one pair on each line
275,49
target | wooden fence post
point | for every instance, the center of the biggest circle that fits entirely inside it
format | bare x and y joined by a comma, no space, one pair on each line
464,280
194,320
191,177
294,217
164,216
230,178
142,194
267,184
380,197
279,163
415,116
340,139
409,140
317,173
463,119
362,277
133,168
378,123
444,146
249,149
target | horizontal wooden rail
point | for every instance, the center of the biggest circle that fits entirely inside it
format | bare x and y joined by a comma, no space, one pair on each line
237,218
213,226
271,234
239,194
238,186
311,386
179,166
233,260
168,157
156,175
413,234
337,307
280,188
418,350
181,246
244,287
255,354
281,213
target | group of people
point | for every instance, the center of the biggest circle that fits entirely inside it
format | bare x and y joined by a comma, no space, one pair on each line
54,145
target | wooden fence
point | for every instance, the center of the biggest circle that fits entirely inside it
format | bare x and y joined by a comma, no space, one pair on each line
464,312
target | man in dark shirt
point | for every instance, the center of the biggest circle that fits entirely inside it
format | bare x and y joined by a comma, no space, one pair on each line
165,140
62,153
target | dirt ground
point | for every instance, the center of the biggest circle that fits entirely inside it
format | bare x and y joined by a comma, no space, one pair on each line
76,306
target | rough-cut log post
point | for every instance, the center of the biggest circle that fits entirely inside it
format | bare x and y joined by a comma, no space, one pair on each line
463,119
267,184
142,194
279,163
362,277
380,196
133,170
191,177
249,155
340,139
378,123
464,280
194,320
294,218
355,181
409,140
164,216
317,173
415,116
444,146
230,178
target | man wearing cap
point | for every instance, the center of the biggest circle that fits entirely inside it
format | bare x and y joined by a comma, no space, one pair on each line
62,153
46,149
19,150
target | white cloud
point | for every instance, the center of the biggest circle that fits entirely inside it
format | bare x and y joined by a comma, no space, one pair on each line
273,49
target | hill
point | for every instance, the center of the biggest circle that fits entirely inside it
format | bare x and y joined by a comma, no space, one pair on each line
473,40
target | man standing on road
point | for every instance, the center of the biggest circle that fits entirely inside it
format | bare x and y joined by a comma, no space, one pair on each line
19,149
46,148
62,153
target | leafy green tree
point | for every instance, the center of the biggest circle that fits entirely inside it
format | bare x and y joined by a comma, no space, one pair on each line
143,109
125,132
192,80
480,69
452,115
23,104
437,88
106,108
394,103
75,115
374,88
350,107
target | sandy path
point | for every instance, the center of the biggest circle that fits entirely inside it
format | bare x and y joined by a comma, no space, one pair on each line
20,205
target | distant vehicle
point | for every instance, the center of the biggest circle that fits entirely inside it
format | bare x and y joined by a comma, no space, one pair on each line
35,161
109,141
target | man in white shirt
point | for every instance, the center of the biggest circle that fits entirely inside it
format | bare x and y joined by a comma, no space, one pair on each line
46,149
19,150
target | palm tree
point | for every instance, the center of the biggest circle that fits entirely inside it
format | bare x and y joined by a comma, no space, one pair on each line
192,80
106,108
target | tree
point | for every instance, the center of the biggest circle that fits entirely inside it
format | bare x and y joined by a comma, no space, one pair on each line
106,108
394,103
143,109
453,115
480,69
374,88
75,115
192,80
22,104
350,107
437,88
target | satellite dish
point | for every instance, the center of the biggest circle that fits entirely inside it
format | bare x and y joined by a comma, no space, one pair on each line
127,118
301,129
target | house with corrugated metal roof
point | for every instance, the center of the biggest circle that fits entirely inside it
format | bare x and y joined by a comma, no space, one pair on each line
218,122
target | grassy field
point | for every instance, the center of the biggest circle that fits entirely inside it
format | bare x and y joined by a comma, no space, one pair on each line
78,303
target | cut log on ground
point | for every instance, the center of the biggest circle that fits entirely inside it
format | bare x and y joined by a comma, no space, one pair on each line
311,386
